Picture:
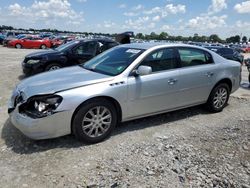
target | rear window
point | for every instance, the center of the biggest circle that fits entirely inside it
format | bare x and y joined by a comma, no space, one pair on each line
194,57
225,51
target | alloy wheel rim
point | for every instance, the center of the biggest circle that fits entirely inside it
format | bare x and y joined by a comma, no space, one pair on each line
220,98
97,121
43,47
18,46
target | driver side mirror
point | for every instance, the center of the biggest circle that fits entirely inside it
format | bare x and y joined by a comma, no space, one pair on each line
143,70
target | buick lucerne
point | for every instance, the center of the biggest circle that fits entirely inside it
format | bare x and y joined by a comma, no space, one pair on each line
126,82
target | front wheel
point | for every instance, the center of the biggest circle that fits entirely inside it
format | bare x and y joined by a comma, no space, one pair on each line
218,98
43,46
18,46
94,121
53,66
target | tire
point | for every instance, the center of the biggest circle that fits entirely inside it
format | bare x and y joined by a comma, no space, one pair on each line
222,93
90,128
18,46
53,66
43,46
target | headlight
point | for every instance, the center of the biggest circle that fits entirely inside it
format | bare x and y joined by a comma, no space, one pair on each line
32,61
41,106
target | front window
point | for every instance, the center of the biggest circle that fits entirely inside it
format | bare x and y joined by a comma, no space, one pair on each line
161,60
66,46
88,48
114,61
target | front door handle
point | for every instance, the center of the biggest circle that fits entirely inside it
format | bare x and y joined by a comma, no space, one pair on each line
172,81
209,74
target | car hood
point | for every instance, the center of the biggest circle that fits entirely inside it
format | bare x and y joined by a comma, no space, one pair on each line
58,80
42,53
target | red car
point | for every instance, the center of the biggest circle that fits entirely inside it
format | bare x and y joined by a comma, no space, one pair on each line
61,40
30,42
55,42
245,49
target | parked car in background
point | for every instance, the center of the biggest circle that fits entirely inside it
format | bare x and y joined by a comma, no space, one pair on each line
124,83
57,41
231,54
72,53
213,48
45,35
245,49
9,36
247,63
8,39
30,42
2,37
228,53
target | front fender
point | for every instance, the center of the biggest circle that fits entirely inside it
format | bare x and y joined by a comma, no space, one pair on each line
74,97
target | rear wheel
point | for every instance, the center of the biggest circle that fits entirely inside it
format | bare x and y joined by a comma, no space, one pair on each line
53,66
18,46
218,98
43,46
94,121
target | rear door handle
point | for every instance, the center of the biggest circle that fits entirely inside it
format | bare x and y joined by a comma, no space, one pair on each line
172,81
209,74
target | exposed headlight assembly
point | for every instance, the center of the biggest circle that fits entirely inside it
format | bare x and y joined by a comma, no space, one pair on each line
41,106
32,61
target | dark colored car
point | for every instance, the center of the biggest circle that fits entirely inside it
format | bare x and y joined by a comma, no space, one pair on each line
247,63
213,48
231,54
228,53
72,53
2,37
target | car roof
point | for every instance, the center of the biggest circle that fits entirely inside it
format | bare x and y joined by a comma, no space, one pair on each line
213,47
100,39
148,45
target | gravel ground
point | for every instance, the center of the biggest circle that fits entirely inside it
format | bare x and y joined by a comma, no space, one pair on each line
185,148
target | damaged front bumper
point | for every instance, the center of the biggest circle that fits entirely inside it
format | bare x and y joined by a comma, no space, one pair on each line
51,126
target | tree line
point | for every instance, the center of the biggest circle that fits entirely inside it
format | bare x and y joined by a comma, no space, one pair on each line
151,36
195,38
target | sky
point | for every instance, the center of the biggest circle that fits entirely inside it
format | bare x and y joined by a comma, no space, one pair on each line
176,17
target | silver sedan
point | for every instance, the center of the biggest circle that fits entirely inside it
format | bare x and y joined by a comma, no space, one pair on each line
124,83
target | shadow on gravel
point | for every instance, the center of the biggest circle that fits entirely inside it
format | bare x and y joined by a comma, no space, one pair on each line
19,143
158,120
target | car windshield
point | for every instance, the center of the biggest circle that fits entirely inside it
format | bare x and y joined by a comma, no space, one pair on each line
66,46
113,61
